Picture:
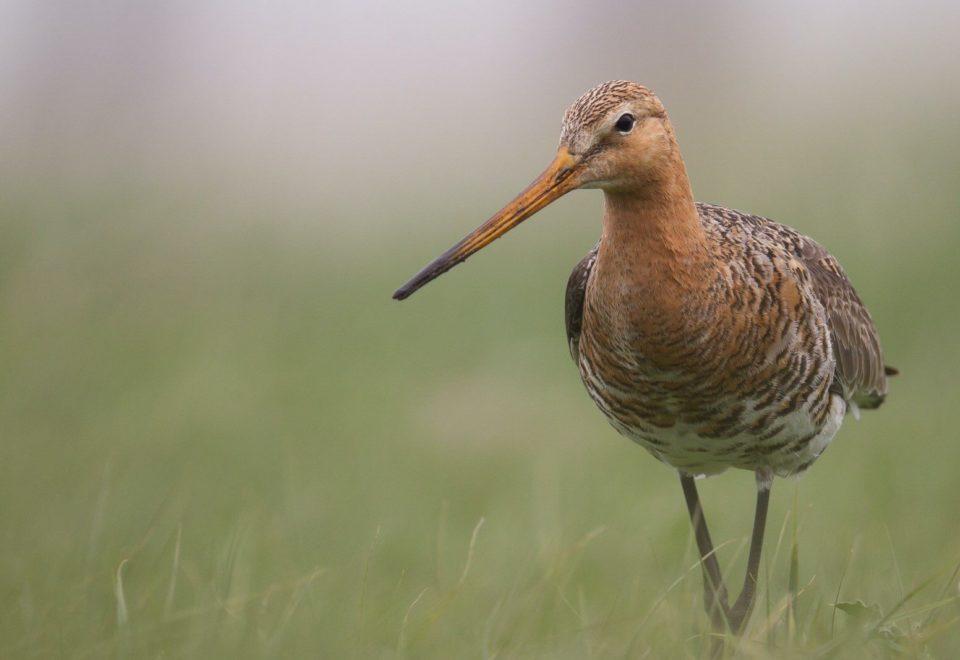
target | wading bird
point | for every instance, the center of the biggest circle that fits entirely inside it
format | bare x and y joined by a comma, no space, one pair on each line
710,337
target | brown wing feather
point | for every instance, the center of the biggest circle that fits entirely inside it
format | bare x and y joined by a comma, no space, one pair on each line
576,291
860,372
856,345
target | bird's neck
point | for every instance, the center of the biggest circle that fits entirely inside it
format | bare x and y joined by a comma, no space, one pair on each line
652,232
655,267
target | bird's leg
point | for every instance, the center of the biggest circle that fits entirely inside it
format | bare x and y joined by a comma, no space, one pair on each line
714,591
740,611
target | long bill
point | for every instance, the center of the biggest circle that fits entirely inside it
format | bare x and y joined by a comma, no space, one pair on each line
560,177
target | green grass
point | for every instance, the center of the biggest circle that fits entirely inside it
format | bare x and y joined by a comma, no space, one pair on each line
224,439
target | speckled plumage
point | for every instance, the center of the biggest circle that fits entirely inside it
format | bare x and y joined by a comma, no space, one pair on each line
713,338
757,369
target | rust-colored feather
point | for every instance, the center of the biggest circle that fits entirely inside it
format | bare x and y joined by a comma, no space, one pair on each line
860,372
808,286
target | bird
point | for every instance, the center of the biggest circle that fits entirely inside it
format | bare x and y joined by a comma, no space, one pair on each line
711,337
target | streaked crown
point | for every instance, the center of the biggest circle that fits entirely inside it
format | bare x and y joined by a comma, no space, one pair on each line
594,108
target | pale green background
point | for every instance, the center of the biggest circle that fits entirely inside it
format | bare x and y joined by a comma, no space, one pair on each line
204,209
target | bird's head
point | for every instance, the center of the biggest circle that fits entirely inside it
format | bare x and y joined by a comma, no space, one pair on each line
618,137
615,137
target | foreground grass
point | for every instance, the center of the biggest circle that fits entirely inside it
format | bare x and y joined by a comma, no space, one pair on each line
228,442
480,595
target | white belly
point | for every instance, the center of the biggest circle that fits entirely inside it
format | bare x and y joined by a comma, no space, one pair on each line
790,451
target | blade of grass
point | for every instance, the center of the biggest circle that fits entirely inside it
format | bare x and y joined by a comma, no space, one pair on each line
450,595
767,600
893,556
783,531
929,633
924,609
943,592
843,575
297,595
631,652
794,576
470,549
171,590
784,607
402,638
122,614
913,592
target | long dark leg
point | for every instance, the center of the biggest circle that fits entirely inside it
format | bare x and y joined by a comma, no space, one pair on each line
740,611
714,591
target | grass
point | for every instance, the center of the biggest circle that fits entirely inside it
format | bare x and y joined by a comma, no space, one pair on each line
222,439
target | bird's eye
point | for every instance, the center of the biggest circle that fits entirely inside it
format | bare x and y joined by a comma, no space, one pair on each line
625,123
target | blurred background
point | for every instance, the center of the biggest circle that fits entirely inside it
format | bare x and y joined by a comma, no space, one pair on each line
220,437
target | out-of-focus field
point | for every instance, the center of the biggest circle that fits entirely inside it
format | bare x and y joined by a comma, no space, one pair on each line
219,437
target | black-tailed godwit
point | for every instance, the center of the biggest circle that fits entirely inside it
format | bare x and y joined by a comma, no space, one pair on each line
710,337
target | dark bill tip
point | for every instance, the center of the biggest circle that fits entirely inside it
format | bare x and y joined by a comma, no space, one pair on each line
432,271
554,182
